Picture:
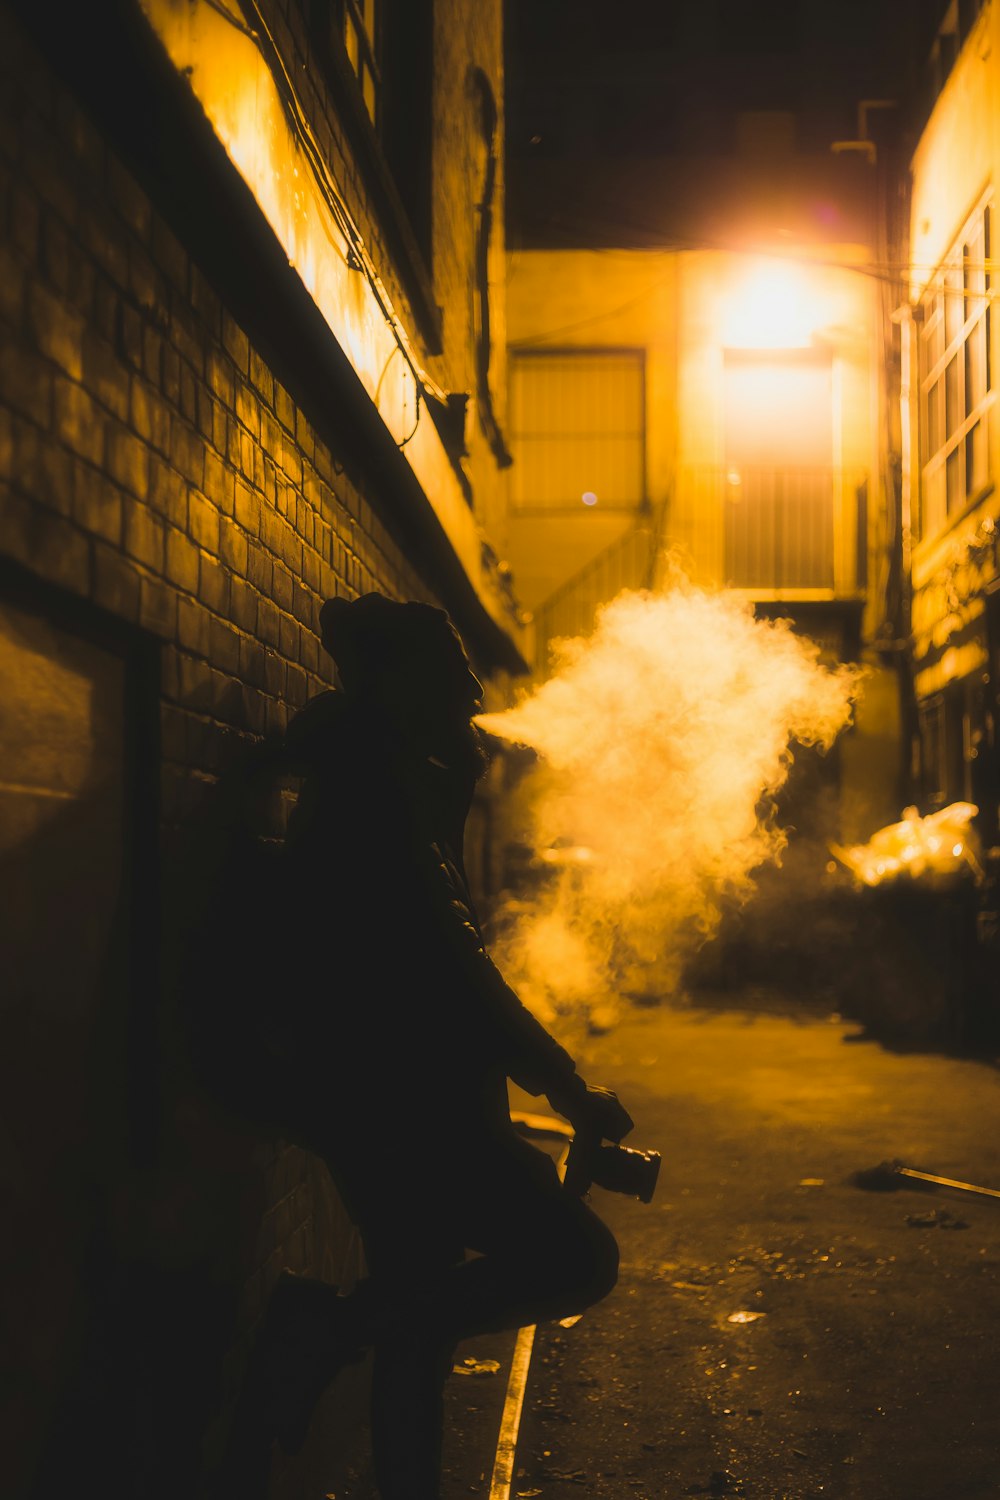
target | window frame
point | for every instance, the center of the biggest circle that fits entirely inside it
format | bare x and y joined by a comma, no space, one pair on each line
409,242
957,378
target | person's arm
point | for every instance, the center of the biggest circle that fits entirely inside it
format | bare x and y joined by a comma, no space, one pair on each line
527,1052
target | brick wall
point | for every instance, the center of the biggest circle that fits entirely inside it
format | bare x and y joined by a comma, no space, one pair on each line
152,465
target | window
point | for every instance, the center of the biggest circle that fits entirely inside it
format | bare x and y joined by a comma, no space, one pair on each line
379,55
578,430
359,22
956,373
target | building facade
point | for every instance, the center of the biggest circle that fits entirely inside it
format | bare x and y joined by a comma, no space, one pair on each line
952,437
723,408
251,356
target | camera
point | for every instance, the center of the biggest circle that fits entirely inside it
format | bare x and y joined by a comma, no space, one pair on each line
620,1169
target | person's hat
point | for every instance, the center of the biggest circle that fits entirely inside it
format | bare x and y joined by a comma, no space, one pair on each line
370,636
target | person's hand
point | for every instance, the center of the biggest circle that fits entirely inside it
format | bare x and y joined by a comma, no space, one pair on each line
592,1110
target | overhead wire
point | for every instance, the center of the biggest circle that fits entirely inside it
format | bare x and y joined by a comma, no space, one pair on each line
357,256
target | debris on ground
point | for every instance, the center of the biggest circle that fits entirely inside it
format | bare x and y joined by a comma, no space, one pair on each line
722,1482
477,1367
937,1218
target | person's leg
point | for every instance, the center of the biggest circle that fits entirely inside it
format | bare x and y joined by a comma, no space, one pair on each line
413,1353
543,1254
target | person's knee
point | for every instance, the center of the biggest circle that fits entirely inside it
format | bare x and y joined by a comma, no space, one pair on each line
585,1269
599,1266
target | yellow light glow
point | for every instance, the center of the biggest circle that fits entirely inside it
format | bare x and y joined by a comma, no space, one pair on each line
772,306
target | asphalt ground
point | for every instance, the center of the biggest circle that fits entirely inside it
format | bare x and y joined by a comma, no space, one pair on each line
864,1364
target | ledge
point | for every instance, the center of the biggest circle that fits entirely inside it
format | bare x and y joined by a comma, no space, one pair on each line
118,67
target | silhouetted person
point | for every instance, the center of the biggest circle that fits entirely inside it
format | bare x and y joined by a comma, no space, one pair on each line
408,1035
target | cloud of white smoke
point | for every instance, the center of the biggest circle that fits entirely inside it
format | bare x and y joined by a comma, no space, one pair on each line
662,739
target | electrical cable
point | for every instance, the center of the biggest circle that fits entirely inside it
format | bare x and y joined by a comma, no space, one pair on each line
357,256
352,235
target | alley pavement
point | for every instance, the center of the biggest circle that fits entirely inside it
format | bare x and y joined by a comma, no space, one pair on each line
778,1332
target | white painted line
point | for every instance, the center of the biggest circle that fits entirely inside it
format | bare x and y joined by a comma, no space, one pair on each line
510,1422
503,1467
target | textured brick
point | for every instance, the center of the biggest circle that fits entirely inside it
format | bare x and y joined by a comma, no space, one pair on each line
97,503
285,409
57,330
152,354
237,344
251,661
275,532
55,253
182,561
275,674
260,566
144,535
26,384
127,461
297,688
186,336
170,374
220,427
268,622
25,220
219,482
11,286
205,303
203,522
107,247
246,452
157,608
234,546
115,582
242,604
62,552
288,637
149,416
193,621
247,508
167,491
213,584
272,438
170,674
128,335
78,420
195,684
19,526
248,409
261,378
145,282
281,587
6,442
169,254
205,413
104,374
40,469
187,398
224,646
187,451
304,437
173,732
